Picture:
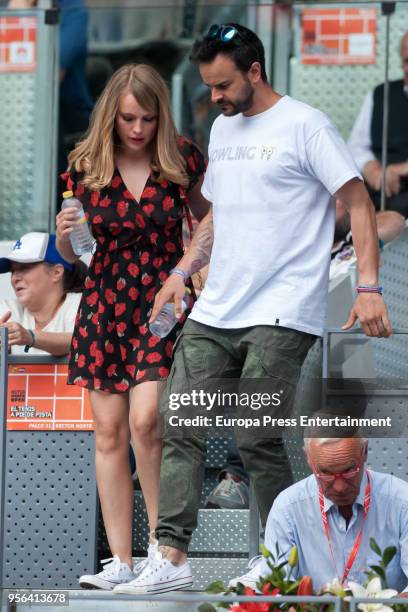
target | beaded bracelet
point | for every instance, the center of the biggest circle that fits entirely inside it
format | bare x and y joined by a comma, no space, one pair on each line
369,289
180,272
27,346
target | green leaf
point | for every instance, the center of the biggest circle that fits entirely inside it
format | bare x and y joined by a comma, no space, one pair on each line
370,575
206,608
216,587
240,588
379,571
388,554
281,565
293,588
374,546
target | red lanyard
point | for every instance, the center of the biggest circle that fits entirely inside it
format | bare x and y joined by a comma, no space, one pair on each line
353,554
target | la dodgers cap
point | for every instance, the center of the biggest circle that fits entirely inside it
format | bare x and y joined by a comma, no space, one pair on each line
34,247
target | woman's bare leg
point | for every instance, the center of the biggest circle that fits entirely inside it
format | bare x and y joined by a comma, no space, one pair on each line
147,444
112,436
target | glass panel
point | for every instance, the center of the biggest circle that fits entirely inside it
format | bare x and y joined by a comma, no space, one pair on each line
27,121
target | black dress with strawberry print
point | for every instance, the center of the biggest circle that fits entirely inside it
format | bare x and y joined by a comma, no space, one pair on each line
137,244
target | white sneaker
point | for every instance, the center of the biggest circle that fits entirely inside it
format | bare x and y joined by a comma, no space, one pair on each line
113,573
158,576
250,578
138,566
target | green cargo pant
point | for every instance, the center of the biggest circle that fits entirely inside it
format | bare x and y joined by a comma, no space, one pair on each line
202,353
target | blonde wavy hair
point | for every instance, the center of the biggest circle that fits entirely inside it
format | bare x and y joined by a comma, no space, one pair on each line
94,155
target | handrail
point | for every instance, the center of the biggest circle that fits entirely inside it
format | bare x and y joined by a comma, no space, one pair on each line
354,601
3,430
209,598
36,359
355,331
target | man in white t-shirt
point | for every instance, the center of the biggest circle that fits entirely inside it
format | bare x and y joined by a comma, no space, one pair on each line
273,164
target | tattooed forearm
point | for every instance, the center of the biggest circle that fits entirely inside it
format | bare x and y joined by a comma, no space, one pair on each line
199,252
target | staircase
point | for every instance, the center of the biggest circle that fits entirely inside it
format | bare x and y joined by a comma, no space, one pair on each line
224,539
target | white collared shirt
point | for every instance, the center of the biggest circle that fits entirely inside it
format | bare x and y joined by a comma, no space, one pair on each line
359,141
295,519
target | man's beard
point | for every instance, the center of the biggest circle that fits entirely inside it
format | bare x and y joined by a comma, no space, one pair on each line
242,105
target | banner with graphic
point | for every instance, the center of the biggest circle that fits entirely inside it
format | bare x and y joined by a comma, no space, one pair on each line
18,39
39,399
338,36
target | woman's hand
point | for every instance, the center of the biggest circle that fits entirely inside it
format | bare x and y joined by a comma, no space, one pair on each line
65,222
17,334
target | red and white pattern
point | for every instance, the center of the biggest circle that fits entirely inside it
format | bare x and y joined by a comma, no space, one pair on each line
338,35
138,243
18,39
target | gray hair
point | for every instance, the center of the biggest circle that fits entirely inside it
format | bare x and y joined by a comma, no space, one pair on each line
324,441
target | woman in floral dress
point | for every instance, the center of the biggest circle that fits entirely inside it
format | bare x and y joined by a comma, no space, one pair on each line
134,176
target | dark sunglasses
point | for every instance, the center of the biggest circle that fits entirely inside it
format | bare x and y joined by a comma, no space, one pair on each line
224,32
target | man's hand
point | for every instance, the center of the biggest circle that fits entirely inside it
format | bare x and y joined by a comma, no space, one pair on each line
173,290
403,595
392,181
371,310
373,175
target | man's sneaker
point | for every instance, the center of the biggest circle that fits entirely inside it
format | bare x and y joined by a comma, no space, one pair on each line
250,578
229,494
113,573
158,576
138,566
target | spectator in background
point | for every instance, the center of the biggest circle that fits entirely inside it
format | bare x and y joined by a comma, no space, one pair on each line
75,102
356,504
365,140
232,490
390,224
48,291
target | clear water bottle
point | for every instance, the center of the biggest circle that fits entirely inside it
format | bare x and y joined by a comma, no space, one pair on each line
166,319
81,238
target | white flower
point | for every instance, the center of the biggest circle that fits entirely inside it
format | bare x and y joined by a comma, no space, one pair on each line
373,590
334,588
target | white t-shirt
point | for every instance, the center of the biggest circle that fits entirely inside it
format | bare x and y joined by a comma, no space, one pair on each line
269,178
63,321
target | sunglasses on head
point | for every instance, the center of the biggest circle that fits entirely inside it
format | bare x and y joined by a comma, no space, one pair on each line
224,32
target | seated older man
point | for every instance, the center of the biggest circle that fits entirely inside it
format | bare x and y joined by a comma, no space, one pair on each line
331,516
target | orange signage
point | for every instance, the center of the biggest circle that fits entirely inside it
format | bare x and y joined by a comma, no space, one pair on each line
18,36
39,398
339,36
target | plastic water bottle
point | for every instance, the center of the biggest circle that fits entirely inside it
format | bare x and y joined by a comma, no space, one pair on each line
81,238
166,319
